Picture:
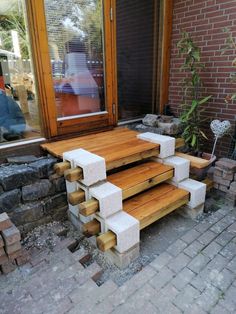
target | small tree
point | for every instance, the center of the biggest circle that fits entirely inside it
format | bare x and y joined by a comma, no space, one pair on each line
192,104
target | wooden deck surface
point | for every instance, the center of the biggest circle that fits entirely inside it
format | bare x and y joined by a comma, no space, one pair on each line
118,147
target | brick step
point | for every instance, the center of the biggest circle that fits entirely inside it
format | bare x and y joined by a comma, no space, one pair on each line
155,203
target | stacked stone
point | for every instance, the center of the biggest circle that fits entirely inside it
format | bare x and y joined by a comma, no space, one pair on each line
31,193
110,215
181,178
11,252
224,177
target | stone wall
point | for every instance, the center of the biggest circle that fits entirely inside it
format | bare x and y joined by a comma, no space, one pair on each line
31,193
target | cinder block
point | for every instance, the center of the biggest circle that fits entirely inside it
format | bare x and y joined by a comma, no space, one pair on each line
81,186
5,221
126,229
71,187
109,197
13,248
102,223
94,167
11,235
122,260
85,219
75,221
181,167
167,143
70,156
74,209
189,212
197,191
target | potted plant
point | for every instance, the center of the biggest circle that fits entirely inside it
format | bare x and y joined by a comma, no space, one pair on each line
193,103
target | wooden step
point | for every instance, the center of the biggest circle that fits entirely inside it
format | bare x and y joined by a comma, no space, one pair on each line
140,178
132,181
195,162
155,203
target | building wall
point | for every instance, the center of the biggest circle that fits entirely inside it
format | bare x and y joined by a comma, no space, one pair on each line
205,20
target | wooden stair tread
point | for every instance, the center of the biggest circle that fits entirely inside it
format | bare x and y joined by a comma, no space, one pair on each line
194,161
141,177
155,203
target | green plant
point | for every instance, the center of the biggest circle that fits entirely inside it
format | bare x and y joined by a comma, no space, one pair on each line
192,102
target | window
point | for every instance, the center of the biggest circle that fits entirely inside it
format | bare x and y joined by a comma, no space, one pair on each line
19,115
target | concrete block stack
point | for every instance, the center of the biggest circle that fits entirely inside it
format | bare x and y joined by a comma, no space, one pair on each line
224,177
11,252
181,179
109,197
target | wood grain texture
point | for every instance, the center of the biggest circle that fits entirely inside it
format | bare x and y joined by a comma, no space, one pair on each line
153,204
196,162
106,241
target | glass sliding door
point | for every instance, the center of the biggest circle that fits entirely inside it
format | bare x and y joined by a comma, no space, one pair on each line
137,44
19,115
76,46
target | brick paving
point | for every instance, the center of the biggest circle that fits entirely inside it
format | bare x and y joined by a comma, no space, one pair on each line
196,274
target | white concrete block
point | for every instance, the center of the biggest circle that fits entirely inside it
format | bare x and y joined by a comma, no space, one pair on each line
181,167
94,167
74,210
81,186
109,197
85,219
197,191
167,143
70,156
126,229
71,187
102,223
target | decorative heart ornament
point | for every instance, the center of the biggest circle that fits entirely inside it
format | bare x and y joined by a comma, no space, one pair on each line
220,128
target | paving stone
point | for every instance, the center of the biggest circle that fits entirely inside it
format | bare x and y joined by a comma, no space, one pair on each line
232,228
207,237
186,297
202,226
160,261
224,279
195,309
177,247
183,278
198,263
208,298
190,236
212,249
232,265
162,278
219,227
179,262
194,248
228,299
163,301
224,237
229,251
219,310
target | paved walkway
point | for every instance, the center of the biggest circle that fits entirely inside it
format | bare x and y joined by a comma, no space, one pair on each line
196,274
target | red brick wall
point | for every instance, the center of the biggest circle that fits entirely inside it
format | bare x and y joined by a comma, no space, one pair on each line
204,20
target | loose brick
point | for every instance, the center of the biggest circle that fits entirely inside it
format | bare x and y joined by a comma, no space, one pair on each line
221,181
8,267
13,248
233,187
11,235
23,258
14,255
3,259
226,164
5,222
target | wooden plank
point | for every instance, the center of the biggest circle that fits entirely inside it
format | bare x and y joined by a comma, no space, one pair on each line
91,228
149,209
140,178
179,142
194,161
106,241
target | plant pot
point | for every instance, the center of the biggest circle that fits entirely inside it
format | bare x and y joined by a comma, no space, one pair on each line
201,173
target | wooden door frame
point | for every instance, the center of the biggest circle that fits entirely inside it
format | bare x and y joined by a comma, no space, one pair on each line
42,66
53,128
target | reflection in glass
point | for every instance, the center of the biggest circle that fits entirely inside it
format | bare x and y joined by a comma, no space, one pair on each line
19,118
75,34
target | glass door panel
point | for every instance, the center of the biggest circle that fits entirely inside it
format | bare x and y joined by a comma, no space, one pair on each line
75,39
